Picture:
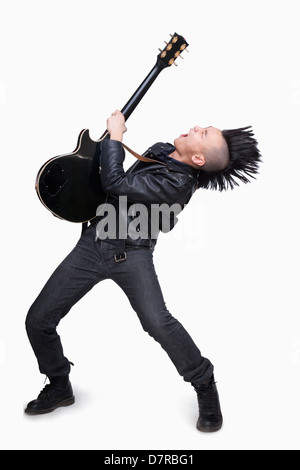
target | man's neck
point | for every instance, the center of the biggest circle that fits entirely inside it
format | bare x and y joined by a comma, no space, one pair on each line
177,156
183,159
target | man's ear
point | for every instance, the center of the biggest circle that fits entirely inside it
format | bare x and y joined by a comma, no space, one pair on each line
199,159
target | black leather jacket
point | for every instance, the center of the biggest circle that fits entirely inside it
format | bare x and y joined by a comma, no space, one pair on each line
166,182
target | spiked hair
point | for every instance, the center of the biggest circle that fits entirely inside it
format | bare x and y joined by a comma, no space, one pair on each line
244,158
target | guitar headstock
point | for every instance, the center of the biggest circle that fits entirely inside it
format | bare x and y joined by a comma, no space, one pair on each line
173,49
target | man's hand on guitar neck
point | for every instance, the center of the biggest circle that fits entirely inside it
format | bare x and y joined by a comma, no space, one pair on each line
116,126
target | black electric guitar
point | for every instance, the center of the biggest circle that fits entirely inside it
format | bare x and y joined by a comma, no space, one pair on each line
69,185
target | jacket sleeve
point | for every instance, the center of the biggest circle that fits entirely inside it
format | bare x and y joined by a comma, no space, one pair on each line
147,187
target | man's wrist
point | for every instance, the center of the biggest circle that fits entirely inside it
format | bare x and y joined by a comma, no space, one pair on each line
116,136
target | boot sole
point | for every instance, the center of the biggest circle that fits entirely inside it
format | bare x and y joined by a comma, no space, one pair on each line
67,402
207,430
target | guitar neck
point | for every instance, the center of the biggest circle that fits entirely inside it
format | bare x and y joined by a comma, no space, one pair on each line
141,91
137,96
166,58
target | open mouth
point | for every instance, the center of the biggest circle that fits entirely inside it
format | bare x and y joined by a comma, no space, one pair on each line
184,135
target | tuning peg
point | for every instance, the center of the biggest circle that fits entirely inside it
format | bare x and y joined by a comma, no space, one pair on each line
162,53
174,38
187,50
176,65
181,57
160,50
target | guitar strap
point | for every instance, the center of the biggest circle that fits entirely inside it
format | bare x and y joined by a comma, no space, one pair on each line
138,156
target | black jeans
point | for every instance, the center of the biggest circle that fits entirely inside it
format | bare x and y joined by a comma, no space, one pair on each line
93,261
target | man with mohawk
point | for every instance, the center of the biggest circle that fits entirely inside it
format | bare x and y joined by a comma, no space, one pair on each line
203,158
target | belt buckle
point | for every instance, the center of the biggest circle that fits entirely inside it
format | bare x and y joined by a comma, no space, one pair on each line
122,257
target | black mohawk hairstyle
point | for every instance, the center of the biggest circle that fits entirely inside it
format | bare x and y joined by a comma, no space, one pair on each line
244,159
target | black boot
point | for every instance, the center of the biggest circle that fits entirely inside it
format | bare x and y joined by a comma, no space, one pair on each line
210,415
58,393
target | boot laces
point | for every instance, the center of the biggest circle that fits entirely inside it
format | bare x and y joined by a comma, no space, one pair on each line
206,398
44,393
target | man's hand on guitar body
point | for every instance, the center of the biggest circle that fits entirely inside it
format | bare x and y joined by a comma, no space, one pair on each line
116,126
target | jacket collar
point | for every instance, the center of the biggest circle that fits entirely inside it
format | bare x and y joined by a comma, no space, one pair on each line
161,151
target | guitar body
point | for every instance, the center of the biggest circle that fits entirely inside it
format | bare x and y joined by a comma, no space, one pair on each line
69,185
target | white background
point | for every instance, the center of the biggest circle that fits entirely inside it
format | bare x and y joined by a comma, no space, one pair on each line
229,271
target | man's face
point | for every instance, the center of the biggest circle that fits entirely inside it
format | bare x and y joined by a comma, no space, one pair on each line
199,141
